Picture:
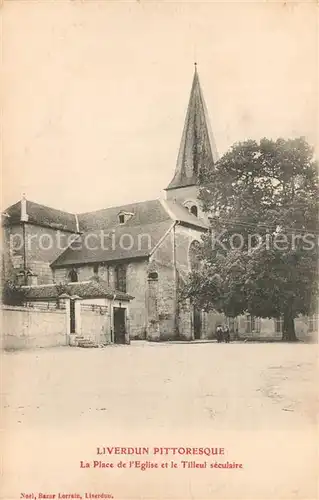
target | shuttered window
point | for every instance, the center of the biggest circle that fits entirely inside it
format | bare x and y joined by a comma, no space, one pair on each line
253,324
120,278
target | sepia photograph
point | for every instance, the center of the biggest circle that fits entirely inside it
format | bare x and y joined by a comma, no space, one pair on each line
159,247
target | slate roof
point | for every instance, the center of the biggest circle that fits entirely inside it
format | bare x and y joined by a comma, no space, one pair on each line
197,146
114,244
135,239
41,215
102,233
145,212
84,289
181,214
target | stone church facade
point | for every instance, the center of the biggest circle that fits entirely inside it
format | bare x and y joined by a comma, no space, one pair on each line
141,249
136,254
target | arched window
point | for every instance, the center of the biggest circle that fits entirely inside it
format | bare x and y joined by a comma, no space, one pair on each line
194,210
194,258
73,276
192,207
120,278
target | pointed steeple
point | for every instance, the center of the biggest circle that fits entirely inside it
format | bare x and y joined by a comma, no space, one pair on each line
197,146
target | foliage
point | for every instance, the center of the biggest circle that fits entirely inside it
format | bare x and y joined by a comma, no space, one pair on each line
62,288
13,294
261,254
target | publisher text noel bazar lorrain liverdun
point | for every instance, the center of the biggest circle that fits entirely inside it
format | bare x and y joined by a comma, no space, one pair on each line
65,496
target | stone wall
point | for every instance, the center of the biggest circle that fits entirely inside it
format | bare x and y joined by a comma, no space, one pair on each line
167,303
303,331
154,311
60,275
136,286
95,324
136,279
166,321
96,318
12,251
42,324
184,237
85,272
24,327
185,321
42,244
185,195
267,330
162,292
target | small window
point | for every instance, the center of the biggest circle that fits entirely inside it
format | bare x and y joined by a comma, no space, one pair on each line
278,325
73,276
312,324
194,210
153,275
253,324
120,278
96,269
123,217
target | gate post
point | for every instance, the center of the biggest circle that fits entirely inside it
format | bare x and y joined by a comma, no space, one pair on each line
127,327
77,313
66,301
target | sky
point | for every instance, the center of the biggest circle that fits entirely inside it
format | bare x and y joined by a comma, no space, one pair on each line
95,92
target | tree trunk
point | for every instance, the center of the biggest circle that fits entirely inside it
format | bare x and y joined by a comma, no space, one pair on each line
288,330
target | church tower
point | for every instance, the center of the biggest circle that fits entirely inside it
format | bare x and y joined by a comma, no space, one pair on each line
197,149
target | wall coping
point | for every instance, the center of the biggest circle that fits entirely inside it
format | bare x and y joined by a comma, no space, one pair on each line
30,309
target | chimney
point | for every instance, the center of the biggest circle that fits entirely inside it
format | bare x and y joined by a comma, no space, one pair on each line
32,279
20,278
24,216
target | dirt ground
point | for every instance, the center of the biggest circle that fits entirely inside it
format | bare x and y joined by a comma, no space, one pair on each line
257,401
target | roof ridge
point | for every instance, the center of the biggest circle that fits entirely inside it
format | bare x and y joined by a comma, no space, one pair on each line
48,206
122,226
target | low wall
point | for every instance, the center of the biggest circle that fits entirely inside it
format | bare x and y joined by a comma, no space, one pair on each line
268,331
302,330
95,324
25,327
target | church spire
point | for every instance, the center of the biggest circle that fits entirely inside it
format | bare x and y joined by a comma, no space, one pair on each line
197,146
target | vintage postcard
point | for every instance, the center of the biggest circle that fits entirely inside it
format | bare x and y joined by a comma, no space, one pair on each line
159,245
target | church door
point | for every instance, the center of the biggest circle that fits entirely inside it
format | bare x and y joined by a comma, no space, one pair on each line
119,325
197,323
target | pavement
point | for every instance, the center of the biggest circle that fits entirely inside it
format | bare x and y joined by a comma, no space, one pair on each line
257,401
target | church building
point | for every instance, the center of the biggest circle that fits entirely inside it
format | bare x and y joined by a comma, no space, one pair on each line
128,259
141,249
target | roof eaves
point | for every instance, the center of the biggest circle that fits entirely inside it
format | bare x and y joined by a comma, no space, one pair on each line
176,183
89,262
200,225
